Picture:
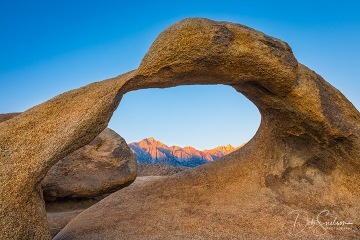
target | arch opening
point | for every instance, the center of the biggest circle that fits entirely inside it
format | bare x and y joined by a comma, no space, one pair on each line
185,125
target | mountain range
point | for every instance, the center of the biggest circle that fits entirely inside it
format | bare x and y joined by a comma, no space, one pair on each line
153,151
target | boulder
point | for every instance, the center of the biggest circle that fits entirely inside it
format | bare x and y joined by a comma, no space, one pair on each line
303,162
103,166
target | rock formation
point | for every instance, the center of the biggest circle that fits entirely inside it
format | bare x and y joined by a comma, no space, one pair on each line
33,141
153,151
303,160
103,166
86,175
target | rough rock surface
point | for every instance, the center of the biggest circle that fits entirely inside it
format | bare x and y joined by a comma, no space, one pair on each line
30,143
99,168
304,158
103,166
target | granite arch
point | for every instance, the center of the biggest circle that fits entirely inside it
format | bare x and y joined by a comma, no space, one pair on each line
313,129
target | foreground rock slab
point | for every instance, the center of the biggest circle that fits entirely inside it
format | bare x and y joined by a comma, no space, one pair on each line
103,166
303,160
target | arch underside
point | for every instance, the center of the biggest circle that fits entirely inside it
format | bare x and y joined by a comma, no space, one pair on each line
305,155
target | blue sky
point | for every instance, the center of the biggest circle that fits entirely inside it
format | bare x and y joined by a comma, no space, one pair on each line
48,47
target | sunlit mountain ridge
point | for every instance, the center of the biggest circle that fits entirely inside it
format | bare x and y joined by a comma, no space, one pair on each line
153,151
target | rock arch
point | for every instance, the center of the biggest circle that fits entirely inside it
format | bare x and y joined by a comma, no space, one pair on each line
305,154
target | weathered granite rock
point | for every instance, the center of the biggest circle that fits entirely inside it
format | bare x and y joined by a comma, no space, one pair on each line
33,141
103,166
303,159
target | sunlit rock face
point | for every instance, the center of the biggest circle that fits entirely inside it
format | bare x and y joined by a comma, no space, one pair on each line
153,151
303,159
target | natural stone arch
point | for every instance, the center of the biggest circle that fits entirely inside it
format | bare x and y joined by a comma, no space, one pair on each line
313,130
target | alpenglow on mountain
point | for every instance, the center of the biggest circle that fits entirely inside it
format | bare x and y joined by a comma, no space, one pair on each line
152,151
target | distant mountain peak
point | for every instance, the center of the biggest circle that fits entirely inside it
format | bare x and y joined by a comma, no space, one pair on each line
150,150
150,139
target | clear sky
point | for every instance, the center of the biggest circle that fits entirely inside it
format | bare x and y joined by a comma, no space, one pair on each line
48,47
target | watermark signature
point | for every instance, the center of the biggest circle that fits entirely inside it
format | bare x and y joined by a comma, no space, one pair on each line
317,225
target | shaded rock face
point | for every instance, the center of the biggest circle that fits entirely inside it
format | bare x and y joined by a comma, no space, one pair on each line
60,213
58,220
303,159
103,166
7,116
